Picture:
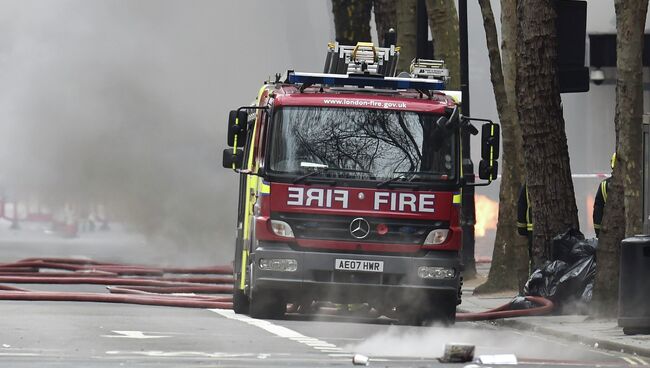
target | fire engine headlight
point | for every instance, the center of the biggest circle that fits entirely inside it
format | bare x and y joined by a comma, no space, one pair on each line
427,272
281,228
279,264
437,236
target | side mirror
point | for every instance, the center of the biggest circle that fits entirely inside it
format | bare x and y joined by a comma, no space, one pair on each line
237,124
487,171
490,141
233,160
488,168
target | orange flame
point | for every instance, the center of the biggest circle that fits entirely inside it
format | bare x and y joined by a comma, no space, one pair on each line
487,213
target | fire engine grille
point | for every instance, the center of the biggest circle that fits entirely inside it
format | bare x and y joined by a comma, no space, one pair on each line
382,230
358,277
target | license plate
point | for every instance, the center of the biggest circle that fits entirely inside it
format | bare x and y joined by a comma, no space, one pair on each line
357,265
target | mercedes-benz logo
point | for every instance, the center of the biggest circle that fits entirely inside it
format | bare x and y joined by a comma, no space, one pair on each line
359,228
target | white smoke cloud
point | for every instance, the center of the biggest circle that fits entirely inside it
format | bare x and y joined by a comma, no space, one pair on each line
125,102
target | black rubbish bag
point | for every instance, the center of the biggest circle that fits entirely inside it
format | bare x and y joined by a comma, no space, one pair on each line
588,294
564,243
583,249
567,281
520,302
543,282
572,284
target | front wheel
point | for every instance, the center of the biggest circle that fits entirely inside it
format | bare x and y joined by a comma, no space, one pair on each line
636,330
434,311
444,313
267,305
240,302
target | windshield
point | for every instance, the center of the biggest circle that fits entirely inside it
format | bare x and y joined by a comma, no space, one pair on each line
361,144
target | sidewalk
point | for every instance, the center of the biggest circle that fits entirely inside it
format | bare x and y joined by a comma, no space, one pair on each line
604,334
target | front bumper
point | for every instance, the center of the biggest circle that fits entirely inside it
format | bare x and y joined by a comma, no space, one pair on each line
317,279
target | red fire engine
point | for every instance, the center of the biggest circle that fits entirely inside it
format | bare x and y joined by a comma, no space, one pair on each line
350,188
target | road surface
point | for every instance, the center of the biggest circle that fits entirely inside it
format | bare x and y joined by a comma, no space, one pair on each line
69,334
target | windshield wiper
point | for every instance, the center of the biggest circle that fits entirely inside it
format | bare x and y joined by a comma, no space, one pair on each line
303,177
325,169
389,181
419,172
402,176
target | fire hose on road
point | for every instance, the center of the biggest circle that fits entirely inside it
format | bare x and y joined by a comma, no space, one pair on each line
126,284
156,286
505,311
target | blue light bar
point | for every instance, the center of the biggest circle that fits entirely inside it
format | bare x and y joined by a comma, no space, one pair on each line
363,81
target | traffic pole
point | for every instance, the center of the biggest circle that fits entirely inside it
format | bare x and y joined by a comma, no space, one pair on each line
468,212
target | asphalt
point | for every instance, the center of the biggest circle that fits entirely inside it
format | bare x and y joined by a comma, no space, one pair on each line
597,333
69,334
95,334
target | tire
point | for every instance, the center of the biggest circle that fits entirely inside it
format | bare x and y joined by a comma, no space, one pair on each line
267,305
434,312
409,316
445,313
240,302
636,330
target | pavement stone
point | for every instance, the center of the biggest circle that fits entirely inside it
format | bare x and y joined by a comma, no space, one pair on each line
601,333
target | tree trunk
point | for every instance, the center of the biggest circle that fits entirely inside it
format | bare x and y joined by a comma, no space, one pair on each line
514,170
443,21
352,21
509,268
544,138
623,213
630,24
406,33
385,18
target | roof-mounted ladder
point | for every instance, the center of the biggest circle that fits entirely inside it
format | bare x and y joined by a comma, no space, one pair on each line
363,57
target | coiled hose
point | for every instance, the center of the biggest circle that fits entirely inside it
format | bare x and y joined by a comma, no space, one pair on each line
162,285
126,284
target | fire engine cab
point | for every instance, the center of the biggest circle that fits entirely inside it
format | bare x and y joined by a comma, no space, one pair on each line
350,187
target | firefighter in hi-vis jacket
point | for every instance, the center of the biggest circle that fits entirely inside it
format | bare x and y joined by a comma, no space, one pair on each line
525,219
601,199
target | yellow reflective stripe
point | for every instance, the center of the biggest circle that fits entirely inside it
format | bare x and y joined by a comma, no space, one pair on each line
597,226
249,165
250,188
528,207
603,189
244,261
234,146
458,197
251,184
529,227
491,151
520,224
263,187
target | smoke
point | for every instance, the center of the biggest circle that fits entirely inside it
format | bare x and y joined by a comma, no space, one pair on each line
428,343
421,343
125,103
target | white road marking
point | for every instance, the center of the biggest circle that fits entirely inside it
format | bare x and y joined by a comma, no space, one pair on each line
179,354
19,354
280,331
643,362
630,361
134,335
341,355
